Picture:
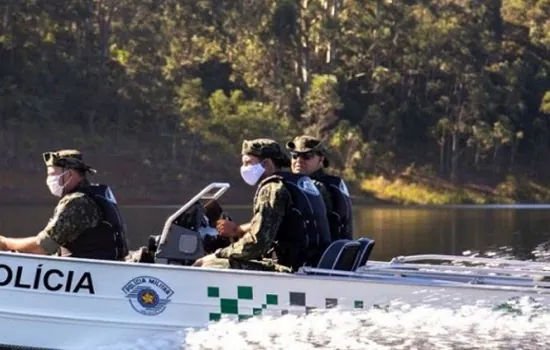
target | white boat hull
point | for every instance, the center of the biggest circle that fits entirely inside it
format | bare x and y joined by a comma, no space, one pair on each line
82,319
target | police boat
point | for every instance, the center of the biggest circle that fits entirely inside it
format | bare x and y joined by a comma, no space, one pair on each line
54,302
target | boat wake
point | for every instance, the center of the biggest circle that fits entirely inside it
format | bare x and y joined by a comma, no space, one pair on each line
518,324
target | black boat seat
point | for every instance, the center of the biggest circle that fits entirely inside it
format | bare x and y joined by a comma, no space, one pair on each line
341,255
364,252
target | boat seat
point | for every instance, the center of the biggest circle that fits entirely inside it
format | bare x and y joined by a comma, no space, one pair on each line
340,255
364,252
331,253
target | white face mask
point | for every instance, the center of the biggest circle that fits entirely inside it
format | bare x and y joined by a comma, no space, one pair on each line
53,184
252,173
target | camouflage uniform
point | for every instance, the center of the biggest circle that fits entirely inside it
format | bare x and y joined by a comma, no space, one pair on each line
271,202
74,213
305,144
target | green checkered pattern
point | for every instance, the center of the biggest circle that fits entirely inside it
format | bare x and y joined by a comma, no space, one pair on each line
231,306
245,306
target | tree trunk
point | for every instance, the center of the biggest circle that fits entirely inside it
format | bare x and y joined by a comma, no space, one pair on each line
454,157
442,146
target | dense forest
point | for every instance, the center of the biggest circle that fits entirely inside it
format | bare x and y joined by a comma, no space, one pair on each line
451,95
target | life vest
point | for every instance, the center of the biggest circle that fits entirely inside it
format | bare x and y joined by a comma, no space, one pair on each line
341,218
304,233
107,240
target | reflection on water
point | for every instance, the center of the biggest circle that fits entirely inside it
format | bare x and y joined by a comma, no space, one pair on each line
397,230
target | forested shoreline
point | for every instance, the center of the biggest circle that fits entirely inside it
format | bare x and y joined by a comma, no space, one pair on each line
420,101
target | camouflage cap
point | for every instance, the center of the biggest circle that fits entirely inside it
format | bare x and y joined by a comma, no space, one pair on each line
265,148
306,143
67,158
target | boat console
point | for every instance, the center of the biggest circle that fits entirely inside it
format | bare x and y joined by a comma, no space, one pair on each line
190,233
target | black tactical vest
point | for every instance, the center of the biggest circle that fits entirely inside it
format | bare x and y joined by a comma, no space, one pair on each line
341,224
304,233
107,240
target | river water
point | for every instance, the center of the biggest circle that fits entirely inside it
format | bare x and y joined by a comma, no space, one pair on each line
397,230
491,231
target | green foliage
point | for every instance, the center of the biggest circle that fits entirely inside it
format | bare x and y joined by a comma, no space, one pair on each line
322,103
232,117
461,87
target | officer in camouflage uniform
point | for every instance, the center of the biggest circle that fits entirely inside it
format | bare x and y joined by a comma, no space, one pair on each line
256,249
269,207
309,156
86,222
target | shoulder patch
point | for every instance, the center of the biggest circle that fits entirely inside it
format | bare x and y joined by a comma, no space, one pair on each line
343,188
110,196
306,184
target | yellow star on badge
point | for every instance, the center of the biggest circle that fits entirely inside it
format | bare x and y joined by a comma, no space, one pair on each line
148,298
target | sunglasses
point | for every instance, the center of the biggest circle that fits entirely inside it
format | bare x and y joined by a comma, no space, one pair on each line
305,155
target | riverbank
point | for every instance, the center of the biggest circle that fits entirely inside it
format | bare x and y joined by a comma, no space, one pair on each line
144,188
430,190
